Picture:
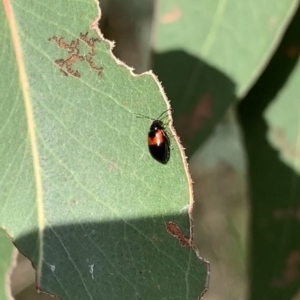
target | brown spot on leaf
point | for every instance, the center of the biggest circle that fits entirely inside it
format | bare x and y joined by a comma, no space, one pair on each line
202,112
292,51
287,214
190,123
172,16
298,213
279,138
291,271
175,231
113,166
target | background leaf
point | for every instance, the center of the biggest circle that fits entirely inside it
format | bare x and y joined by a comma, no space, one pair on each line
283,113
82,197
209,53
274,186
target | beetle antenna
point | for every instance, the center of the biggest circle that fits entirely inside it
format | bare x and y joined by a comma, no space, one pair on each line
143,116
163,113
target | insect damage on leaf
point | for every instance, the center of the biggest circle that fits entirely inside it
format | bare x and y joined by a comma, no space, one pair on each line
173,229
76,53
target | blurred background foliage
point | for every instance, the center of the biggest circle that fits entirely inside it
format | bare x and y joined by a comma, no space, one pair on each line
231,72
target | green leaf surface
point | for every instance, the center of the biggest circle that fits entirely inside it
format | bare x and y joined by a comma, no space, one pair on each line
6,249
80,194
209,53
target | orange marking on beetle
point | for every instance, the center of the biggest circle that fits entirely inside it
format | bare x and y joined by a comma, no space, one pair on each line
157,140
